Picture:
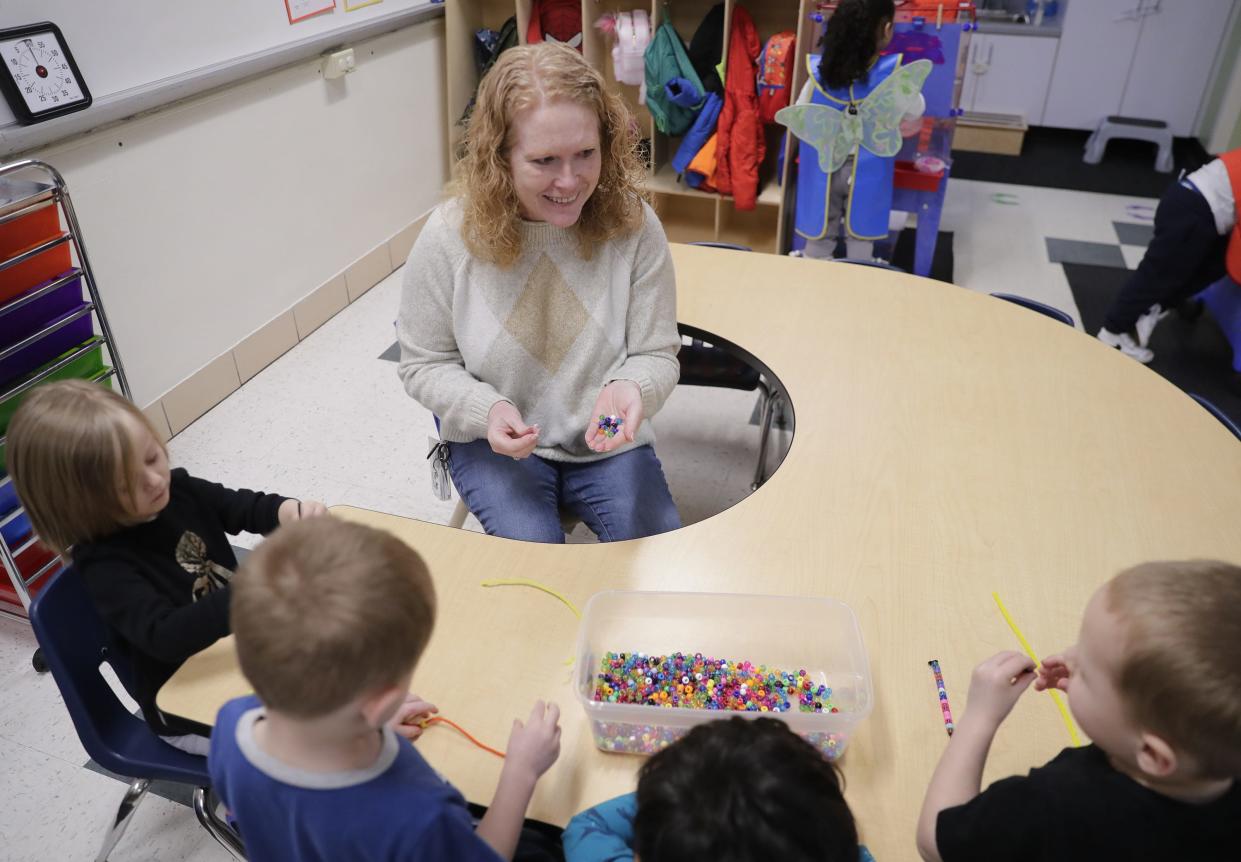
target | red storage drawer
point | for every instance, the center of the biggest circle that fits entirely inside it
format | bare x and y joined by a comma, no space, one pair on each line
27,232
28,562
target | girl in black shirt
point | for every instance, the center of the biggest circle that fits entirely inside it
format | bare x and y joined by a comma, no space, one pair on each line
148,542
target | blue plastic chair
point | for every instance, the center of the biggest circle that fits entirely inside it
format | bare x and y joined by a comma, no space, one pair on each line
1035,305
1218,414
876,264
1223,298
74,641
728,245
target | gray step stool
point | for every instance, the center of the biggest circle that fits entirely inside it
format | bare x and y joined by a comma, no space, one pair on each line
1156,131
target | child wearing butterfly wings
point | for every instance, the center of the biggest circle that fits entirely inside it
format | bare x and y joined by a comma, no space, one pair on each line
850,119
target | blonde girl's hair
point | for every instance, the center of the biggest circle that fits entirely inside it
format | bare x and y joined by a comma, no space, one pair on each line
1180,677
73,461
522,78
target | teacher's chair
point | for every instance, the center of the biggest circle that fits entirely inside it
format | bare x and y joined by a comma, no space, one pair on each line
708,365
74,641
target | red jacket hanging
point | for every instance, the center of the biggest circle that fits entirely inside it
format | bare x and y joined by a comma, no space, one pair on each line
741,146
555,21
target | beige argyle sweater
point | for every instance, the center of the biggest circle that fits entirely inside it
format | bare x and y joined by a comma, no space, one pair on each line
546,333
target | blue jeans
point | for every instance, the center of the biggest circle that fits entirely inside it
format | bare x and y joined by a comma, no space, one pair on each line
621,497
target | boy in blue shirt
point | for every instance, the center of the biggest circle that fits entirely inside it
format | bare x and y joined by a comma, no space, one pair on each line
330,619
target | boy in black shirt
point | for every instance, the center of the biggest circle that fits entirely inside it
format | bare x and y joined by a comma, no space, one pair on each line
1155,681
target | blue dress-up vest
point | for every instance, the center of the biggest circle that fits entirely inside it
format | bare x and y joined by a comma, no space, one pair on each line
870,193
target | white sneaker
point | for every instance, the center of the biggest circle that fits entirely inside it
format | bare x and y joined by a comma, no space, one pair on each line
1147,322
1125,344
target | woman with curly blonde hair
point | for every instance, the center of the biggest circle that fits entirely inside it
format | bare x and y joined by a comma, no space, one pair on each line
538,317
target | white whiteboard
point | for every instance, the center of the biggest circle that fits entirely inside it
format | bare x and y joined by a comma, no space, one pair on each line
122,45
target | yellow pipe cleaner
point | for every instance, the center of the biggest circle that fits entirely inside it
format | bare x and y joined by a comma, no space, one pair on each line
522,582
1055,695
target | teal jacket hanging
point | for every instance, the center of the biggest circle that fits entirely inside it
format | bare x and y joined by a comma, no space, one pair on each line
674,93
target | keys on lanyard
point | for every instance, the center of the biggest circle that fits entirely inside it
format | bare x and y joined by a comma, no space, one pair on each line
441,485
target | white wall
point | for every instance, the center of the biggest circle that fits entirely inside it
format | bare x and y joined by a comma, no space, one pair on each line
1221,110
1226,132
126,45
207,219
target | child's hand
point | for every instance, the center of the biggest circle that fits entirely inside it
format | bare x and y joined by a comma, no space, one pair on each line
534,746
409,716
1054,673
297,510
996,685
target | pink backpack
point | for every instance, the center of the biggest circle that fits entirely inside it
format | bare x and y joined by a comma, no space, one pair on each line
775,74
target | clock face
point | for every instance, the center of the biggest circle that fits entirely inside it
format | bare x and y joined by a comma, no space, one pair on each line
42,71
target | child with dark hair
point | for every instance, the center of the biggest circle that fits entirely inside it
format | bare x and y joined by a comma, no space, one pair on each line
853,202
857,32
733,790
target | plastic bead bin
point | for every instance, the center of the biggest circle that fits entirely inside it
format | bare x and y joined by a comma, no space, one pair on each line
684,658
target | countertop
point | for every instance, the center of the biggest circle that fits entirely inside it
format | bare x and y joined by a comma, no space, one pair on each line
1051,27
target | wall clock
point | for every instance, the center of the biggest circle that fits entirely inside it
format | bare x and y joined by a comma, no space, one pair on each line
40,78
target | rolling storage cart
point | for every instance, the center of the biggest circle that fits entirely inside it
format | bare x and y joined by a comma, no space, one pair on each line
52,327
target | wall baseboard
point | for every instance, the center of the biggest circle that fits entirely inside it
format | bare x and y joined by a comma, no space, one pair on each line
180,406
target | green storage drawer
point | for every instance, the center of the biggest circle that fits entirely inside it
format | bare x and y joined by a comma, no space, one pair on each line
88,366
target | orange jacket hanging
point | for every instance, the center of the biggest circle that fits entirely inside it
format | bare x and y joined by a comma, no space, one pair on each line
705,164
741,145
1232,161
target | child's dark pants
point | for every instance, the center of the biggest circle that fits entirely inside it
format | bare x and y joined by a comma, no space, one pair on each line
1185,256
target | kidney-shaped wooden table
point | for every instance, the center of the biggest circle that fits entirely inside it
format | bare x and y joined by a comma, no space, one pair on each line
947,444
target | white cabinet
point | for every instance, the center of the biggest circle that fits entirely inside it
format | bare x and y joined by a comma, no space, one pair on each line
1009,75
1172,66
1096,46
1139,58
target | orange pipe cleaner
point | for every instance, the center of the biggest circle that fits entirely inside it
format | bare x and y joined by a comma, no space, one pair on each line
461,730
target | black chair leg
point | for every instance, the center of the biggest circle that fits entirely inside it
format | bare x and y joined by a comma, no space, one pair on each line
769,406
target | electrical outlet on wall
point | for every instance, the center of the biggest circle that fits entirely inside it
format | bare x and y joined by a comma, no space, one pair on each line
338,64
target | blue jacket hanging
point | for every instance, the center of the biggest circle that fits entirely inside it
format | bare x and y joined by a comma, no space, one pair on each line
699,133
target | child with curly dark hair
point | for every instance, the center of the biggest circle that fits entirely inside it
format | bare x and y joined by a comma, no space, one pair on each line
733,790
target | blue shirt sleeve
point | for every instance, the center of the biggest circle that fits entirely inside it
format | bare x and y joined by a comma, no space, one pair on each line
603,833
223,751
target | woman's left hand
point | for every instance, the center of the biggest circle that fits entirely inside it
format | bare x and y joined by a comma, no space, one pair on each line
620,398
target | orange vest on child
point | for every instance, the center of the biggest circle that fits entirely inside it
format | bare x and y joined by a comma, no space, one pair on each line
1232,161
